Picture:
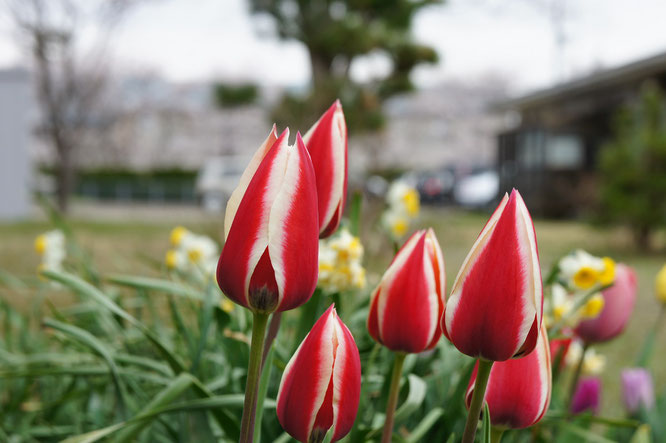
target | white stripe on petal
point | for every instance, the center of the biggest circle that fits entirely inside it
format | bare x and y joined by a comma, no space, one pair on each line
279,212
341,356
531,271
264,209
433,296
246,178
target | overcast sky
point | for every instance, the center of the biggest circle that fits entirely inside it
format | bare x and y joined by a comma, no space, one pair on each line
192,40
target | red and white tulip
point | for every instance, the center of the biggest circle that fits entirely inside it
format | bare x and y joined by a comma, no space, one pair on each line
496,304
409,301
321,385
518,392
246,177
326,141
269,261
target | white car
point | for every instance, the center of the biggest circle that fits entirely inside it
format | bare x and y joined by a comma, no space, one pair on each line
217,179
477,190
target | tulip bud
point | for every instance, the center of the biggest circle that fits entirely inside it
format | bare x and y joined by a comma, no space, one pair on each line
321,385
587,396
618,305
409,300
496,304
637,389
246,177
269,260
326,141
660,285
518,392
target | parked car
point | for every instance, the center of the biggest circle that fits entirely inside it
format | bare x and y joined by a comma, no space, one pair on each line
217,179
478,189
436,186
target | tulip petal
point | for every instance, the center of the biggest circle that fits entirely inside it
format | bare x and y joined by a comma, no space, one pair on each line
346,382
326,142
406,306
246,177
293,244
248,236
496,303
306,379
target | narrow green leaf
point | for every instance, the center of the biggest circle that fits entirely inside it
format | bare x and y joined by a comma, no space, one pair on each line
91,437
585,434
355,213
159,285
415,397
162,399
86,338
642,435
486,423
87,290
424,426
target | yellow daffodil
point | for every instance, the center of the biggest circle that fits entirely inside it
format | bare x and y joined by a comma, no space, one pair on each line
607,276
177,235
586,277
593,307
40,244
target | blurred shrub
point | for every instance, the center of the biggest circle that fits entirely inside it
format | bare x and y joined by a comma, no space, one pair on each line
230,96
124,184
633,167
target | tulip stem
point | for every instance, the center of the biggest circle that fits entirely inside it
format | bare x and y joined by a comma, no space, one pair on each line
253,374
482,375
647,350
393,396
576,375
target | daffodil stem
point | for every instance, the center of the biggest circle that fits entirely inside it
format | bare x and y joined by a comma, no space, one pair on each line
482,375
496,435
555,329
393,396
647,349
253,374
576,375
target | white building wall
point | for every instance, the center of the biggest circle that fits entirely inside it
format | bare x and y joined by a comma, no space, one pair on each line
15,171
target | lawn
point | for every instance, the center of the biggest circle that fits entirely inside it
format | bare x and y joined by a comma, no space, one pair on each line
132,244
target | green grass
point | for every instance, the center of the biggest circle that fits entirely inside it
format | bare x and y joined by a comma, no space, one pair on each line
129,247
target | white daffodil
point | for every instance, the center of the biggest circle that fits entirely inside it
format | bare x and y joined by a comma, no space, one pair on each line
396,223
192,254
593,364
583,271
51,247
340,265
403,198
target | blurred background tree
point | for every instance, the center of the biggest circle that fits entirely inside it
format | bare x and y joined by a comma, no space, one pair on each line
230,96
633,167
70,81
335,33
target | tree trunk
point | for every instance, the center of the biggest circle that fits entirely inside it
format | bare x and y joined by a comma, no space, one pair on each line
64,177
320,70
642,237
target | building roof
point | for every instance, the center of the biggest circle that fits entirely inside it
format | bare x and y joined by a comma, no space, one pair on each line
600,80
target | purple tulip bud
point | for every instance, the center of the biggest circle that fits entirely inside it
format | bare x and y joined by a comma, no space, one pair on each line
637,389
587,396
